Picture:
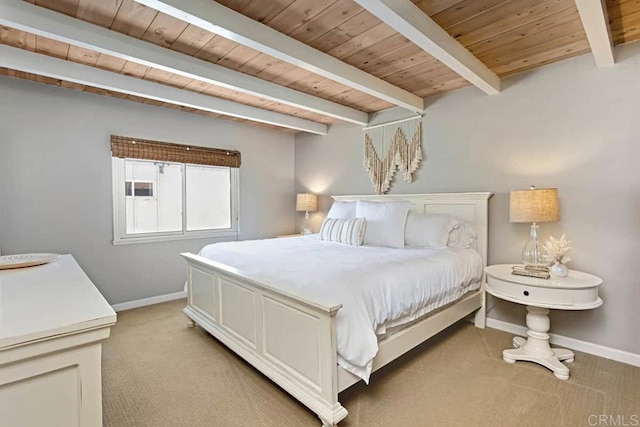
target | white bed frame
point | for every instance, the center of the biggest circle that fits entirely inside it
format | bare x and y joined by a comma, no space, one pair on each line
292,339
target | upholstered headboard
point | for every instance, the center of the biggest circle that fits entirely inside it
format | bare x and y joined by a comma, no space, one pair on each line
471,207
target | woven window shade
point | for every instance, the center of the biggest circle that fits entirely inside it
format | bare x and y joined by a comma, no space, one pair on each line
135,148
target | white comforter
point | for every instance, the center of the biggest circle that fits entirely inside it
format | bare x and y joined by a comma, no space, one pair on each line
378,287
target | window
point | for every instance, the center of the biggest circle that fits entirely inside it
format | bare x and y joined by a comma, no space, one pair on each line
157,200
138,189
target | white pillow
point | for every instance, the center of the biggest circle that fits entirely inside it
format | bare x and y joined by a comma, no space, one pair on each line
346,230
462,235
342,210
428,230
385,222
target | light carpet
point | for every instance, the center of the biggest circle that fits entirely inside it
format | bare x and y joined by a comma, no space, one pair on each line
158,372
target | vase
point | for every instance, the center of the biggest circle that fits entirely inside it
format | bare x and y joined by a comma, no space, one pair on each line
559,270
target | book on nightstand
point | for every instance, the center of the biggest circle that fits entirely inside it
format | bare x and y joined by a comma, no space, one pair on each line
539,272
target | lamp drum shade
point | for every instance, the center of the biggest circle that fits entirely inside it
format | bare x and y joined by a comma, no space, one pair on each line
306,202
534,205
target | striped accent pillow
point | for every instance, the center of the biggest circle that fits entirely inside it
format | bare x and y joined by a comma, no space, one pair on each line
345,230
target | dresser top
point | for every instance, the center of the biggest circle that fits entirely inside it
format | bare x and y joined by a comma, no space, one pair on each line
52,299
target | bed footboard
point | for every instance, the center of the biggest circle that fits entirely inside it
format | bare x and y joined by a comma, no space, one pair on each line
290,339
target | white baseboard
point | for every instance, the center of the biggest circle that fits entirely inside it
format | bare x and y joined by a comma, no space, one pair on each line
572,343
149,301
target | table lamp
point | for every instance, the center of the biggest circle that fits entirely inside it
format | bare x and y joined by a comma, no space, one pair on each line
306,203
534,206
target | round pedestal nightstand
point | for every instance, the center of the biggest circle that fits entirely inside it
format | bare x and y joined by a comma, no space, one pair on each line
578,291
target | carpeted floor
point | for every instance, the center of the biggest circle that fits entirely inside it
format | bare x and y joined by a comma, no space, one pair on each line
157,372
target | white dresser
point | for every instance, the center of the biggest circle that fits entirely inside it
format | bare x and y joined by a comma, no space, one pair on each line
52,324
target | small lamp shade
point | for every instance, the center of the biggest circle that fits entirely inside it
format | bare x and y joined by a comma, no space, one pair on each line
306,202
534,205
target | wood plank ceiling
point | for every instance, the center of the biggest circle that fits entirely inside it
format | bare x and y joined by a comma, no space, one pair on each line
508,36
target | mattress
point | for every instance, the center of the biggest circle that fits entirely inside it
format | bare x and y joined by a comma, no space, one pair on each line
378,288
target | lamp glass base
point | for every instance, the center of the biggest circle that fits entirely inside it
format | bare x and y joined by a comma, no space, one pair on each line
305,225
531,254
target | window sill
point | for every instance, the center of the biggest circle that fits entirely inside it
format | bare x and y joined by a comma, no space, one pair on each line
168,238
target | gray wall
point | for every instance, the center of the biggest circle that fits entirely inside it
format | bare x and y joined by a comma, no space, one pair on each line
568,125
55,182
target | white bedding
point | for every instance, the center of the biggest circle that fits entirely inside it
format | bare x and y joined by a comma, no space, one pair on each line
378,287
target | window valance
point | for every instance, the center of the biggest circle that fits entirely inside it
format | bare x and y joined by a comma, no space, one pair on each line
136,148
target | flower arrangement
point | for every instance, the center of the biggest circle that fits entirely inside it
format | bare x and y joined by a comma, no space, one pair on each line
556,250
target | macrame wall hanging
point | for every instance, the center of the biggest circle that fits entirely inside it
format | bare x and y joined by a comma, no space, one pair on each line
402,153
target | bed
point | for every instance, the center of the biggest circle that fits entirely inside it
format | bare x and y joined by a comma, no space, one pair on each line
292,332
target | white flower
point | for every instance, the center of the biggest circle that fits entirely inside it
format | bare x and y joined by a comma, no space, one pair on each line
556,249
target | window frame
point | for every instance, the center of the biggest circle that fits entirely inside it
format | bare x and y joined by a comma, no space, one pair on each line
120,236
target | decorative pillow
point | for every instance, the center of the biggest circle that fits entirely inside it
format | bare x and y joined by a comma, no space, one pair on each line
462,235
385,222
428,230
345,230
342,210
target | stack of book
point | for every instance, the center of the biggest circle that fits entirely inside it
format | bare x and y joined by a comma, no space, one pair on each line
540,272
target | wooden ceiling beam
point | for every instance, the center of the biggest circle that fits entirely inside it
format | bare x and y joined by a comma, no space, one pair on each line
595,21
48,66
218,19
47,23
407,19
